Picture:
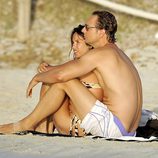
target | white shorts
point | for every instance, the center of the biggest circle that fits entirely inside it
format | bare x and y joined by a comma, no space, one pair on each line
101,122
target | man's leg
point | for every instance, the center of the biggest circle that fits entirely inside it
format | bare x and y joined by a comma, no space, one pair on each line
61,120
42,108
82,100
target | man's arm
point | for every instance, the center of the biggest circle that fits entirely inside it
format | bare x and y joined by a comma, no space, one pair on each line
69,70
65,72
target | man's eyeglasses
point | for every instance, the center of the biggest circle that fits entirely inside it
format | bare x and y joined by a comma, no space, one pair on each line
89,27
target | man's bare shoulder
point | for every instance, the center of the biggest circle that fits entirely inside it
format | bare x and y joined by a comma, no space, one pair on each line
107,51
98,55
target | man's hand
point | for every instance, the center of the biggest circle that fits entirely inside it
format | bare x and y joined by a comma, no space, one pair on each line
43,67
32,84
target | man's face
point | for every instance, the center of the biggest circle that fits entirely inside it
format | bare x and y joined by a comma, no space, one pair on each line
91,32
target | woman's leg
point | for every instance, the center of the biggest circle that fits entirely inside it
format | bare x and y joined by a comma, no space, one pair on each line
46,125
62,118
82,100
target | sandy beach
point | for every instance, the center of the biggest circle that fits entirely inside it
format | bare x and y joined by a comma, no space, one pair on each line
49,40
14,105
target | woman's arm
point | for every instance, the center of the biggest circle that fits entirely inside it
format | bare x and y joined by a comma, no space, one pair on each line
65,72
44,67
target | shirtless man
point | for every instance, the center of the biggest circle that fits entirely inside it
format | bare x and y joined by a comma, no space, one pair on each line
65,120
120,112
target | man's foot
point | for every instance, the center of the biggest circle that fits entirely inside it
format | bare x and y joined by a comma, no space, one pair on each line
12,128
7,128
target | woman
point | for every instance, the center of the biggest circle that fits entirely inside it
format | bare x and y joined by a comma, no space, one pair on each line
65,120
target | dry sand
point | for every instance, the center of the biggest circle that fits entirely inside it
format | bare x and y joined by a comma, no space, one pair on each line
14,105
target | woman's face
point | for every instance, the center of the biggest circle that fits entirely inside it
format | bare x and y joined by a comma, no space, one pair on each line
79,46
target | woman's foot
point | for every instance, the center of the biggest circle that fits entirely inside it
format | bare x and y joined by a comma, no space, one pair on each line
45,126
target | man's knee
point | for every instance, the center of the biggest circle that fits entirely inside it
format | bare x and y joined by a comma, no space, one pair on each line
57,85
61,85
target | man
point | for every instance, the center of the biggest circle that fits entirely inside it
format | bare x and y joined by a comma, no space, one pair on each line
120,112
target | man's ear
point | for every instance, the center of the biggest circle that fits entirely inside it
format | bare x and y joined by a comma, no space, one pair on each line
102,32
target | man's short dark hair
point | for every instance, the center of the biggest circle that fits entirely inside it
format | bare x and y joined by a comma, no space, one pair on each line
107,22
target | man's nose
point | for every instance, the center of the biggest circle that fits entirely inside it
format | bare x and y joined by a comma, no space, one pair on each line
83,30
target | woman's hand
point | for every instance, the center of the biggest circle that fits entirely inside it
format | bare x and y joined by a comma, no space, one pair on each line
32,84
43,67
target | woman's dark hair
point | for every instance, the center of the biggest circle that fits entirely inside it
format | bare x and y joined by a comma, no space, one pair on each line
77,30
107,22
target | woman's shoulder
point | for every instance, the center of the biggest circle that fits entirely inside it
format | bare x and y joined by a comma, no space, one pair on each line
90,77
